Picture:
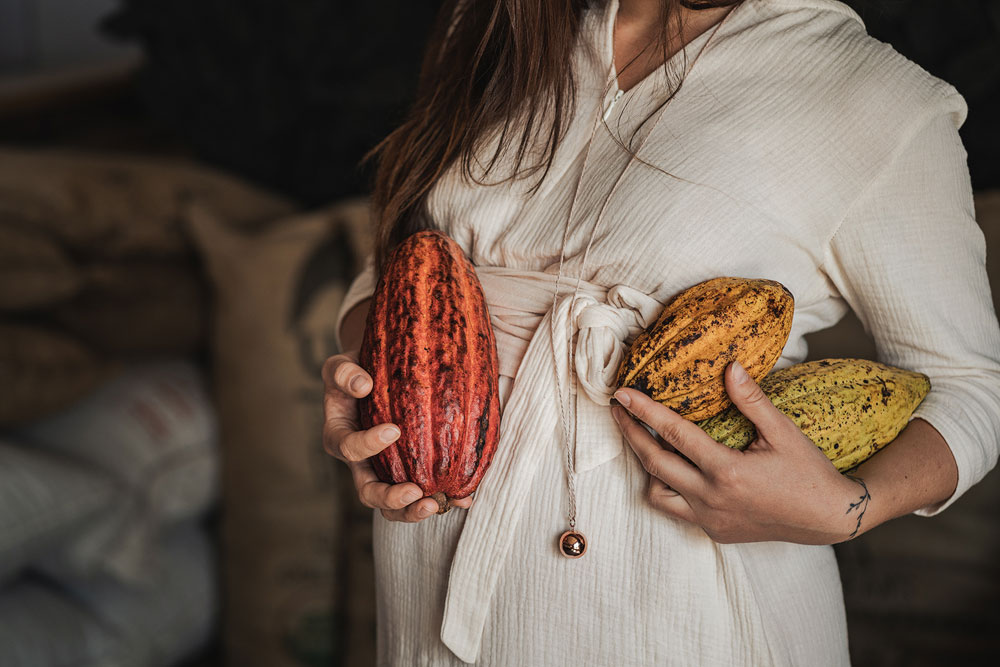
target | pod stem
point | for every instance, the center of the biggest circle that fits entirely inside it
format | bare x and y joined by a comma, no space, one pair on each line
442,500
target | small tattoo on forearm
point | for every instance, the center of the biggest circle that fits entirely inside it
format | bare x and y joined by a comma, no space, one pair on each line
861,505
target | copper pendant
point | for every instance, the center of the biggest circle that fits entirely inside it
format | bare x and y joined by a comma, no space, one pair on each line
572,544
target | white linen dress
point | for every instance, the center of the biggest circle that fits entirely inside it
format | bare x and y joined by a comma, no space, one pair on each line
802,150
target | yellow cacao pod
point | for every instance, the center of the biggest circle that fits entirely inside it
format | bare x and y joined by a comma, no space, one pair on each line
850,408
680,360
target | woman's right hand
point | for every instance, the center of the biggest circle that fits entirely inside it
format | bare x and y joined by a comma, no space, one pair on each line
345,382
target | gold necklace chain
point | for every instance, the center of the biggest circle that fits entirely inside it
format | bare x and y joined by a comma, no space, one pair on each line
572,543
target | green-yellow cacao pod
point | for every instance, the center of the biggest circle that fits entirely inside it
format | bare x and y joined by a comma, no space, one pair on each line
850,408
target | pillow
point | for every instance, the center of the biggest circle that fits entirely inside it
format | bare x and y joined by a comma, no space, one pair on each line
285,528
153,430
45,503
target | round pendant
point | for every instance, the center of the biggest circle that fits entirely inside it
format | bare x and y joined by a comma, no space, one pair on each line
572,544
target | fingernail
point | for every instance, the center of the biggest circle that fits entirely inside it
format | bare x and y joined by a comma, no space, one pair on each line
622,398
360,383
425,511
411,496
388,434
739,373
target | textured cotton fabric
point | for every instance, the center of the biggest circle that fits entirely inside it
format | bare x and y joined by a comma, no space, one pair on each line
799,149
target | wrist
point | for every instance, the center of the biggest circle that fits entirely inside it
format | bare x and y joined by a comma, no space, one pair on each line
855,519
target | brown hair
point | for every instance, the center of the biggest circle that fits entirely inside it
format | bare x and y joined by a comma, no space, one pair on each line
488,65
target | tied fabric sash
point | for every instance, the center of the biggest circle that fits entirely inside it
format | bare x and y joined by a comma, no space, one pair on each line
601,321
520,305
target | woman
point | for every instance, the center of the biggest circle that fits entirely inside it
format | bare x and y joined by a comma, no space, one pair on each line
798,149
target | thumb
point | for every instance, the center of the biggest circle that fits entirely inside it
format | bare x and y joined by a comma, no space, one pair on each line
751,400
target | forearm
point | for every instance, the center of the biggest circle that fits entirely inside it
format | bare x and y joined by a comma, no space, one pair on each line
916,470
352,328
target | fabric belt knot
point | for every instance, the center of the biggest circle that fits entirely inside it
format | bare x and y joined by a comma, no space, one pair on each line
601,330
601,321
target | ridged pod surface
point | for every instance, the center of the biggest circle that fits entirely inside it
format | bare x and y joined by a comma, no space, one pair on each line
429,347
680,360
850,408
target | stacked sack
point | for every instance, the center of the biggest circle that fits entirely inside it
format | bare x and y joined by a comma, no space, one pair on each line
103,555
95,268
297,564
108,436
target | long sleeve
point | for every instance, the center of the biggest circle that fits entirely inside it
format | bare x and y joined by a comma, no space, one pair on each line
361,288
910,260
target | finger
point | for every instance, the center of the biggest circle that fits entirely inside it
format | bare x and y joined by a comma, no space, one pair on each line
751,400
464,503
345,382
374,493
684,435
377,494
657,461
419,511
661,486
349,444
670,502
413,512
342,374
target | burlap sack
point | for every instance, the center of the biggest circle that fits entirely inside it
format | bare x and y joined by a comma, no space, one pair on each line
154,430
69,324
102,622
34,271
93,259
286,504
138,308
119,205
86,319
46,501
43,370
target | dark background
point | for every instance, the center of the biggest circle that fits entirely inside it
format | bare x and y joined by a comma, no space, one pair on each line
289,94
292,94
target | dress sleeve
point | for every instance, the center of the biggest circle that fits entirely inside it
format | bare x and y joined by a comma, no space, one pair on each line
910,260
361,288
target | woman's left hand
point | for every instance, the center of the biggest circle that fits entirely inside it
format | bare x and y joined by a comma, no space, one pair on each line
781,487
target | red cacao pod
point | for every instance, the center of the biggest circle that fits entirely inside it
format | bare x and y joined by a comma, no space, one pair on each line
430,350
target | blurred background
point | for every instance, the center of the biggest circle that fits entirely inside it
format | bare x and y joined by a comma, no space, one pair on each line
181,212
